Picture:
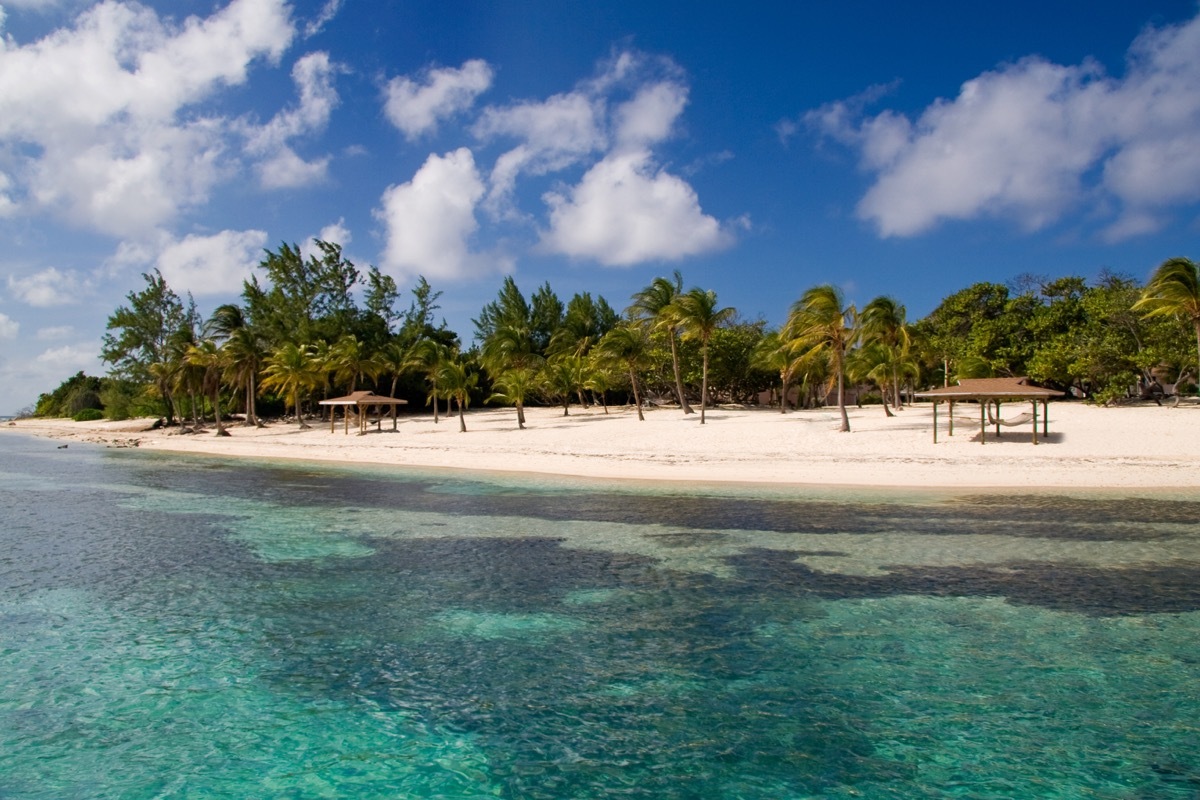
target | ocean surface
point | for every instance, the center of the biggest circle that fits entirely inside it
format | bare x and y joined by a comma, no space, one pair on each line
177,627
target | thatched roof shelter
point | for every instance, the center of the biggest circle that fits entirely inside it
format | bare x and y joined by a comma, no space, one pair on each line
990,392
361,400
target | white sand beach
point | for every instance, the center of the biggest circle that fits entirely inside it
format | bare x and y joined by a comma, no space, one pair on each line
1088,447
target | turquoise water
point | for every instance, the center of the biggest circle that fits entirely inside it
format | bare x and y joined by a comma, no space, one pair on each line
175,628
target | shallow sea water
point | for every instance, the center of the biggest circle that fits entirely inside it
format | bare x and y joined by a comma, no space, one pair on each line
201,628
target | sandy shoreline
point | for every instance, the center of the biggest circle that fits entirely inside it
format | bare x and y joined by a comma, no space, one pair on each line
1142,447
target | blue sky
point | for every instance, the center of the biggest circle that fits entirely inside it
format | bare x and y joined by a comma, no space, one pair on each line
889,148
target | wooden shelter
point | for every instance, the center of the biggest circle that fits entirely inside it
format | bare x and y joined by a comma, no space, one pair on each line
989,392
361,401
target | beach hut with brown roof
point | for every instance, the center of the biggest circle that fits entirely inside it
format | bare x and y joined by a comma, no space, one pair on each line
361,401
989,392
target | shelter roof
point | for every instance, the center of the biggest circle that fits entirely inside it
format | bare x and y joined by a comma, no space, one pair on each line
364,398
991,389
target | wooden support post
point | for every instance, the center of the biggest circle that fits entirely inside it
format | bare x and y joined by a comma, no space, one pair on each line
997,419
982,422
1035,421
951,417
1045,418
935,405
393,416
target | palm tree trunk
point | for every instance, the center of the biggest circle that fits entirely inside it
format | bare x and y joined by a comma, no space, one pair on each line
217,411
704,386
637,397
683,403
842,396
897,401
435,403
462,420
520,416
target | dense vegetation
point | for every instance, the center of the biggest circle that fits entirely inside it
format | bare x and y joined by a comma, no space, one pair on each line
316,327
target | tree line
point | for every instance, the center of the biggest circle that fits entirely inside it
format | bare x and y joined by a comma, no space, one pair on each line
316,327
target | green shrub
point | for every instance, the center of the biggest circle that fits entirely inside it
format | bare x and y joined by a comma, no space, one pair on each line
88,415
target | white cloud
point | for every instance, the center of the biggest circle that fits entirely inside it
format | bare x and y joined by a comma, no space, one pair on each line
624,212
50,287
8,328
281,167
70,357
431,218
323,18
97,111
208,265
334,233
55,333
416,106
650,116
1031,140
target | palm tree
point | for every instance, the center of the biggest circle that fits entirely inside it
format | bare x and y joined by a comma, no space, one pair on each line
395,359
508,347
352,361
600,378
822,323
884,321
291,369
563,376
245,354
457,381
1174,291
777,353
207,357
628,346
512,387
654,306
697,317
427,357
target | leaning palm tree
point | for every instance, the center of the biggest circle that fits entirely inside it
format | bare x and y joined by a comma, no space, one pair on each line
1174,291
514,386
654,307
698,317
884,320
822,323
207,357
457,381
628,346
292,369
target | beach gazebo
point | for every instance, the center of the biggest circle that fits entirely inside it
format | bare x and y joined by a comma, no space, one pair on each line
993,391
361,401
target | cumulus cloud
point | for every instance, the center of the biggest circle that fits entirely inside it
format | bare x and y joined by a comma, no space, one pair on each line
94,119
416,107
430,220
50,287
624,211
8,328
211,265
1030,140
280,166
